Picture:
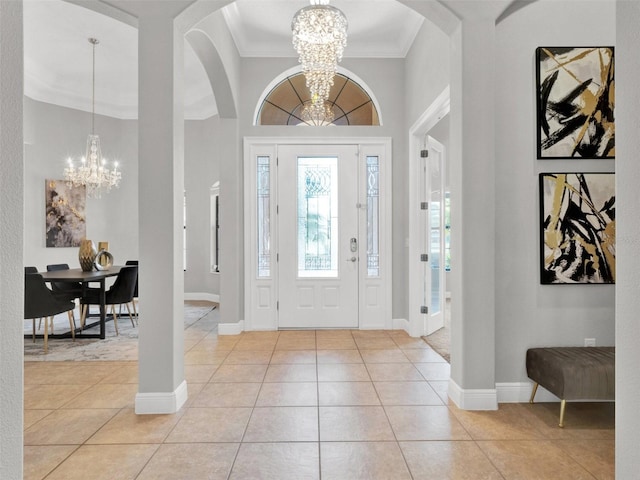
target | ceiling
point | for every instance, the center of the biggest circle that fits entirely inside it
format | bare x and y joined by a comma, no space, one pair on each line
58,55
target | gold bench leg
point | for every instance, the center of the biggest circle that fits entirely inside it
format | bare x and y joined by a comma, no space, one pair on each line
563,403
533,392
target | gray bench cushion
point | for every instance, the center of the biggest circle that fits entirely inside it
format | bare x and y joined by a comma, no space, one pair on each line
574,373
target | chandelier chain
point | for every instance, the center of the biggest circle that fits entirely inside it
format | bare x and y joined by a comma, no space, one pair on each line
93,172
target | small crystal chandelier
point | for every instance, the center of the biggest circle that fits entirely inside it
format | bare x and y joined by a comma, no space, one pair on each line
93,172
319,37
317,113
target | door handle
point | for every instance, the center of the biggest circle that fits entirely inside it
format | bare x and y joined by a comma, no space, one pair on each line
352,259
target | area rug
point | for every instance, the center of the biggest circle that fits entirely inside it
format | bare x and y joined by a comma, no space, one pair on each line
440,341
122,347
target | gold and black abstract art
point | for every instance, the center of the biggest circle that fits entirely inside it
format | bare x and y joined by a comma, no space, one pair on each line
575,102
578,241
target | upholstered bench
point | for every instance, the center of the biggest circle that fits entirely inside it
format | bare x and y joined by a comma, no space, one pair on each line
573,373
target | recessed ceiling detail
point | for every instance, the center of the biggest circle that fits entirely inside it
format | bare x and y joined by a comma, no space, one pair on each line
351,104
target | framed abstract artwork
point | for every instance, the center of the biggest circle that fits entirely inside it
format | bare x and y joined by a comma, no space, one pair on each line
65,214
578,228
575,102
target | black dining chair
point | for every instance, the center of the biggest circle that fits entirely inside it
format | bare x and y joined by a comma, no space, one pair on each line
121,292
40,302
65,290
135,292
31,269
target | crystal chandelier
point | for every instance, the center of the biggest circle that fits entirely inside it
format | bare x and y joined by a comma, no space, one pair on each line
319,37
317,113
93,171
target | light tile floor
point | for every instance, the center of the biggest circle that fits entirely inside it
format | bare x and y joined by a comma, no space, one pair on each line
300,405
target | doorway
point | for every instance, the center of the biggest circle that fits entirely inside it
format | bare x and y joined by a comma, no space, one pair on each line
428,250
317,233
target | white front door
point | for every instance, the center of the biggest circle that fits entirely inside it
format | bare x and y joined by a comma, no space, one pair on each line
319,246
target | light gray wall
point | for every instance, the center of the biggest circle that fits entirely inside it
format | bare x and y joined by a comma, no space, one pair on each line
426,70
11,241
529,314
54,133
202,158
427,75
385,78
628,241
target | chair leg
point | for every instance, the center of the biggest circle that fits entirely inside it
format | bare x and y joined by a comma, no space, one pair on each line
51,324
72,324
563,404
135,310
115,318
533,392
130,316
33,334
83,315
46,335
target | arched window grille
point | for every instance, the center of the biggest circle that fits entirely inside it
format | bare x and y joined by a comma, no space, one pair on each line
351,104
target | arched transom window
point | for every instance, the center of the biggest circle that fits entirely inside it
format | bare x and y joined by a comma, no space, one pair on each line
351,104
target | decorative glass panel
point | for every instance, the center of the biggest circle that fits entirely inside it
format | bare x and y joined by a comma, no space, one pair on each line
373,216
350,103
263,184
317,217
434,239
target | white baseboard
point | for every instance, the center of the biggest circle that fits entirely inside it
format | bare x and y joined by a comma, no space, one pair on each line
231,328
520,392
401,324
473,399
161,402
209,297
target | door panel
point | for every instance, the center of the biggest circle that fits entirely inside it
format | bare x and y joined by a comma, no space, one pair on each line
434,237
318,236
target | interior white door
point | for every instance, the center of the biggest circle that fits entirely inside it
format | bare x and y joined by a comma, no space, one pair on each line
434,236
319,247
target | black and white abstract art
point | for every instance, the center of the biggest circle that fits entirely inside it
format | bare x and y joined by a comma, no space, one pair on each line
575,102
578,241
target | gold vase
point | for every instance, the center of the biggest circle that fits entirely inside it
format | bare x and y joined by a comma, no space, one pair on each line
87,255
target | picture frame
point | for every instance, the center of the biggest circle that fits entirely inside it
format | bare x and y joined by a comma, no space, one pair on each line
575,102
65,218
577,229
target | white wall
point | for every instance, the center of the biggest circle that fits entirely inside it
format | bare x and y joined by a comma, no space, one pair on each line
529,314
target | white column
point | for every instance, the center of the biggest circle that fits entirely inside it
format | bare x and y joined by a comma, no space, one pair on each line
11,239
472,169
162,385
627,239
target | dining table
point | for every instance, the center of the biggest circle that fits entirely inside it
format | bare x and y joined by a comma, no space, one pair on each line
77,275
